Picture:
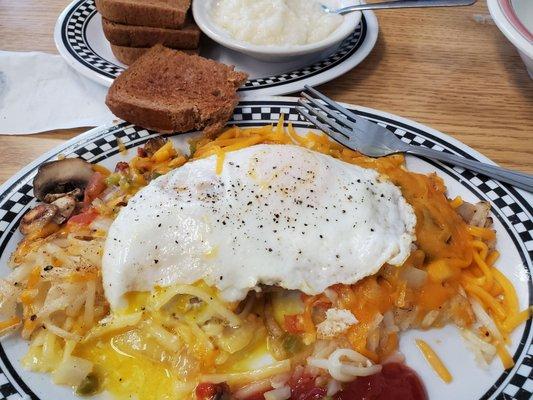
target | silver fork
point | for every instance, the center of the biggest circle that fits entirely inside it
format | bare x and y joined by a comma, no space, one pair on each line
387,5
373,140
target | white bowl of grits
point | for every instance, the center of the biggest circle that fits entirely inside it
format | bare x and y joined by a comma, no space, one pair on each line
275,30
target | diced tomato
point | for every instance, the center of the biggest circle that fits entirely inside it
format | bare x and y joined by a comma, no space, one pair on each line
213,391
141,152
294,323
122,166
304,388
85,218
394,382
95,186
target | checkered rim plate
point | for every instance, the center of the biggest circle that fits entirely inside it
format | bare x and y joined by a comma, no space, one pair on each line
74,39
16,197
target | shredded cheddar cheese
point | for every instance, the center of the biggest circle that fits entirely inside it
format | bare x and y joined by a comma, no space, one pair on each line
510,299
220,160
514,320
9,323
486,299
504,355
456,202
164,153
433,359
483,233
485,269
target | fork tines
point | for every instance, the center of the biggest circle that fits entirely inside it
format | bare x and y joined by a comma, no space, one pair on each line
330,117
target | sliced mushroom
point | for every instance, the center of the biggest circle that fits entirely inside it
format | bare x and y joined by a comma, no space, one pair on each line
37,218
154,144
475,214
61,176
466,211
481,214
65,208
76,194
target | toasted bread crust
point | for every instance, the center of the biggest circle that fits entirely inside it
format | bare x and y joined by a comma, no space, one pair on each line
155,13
169,91
128,55
187,37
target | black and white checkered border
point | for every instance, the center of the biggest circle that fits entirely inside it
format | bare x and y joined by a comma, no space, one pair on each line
521,386
19,197
348,46
8,391
74,38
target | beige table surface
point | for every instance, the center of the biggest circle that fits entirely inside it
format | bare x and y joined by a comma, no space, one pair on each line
450,69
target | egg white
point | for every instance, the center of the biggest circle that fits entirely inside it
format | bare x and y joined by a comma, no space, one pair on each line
276,215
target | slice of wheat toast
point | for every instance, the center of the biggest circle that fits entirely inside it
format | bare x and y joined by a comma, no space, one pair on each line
128,55
156,13
170,91
188,37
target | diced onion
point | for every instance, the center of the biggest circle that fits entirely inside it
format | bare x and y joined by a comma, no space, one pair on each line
414,277
167,295
165,339
233,340
429,318
61,332
108,325
333,387
249,376
388,323
395,357
484,319
101,224
280,380
346,371
282,393
479,343
253,388
71,371
483,351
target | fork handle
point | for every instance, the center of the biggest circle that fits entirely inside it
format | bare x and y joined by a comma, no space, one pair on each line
405,4
518,179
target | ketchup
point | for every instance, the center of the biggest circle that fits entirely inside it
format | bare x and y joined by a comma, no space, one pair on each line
394,382
304,388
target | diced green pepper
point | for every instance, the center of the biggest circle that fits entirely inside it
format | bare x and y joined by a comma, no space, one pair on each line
112,180
155,175
192,148
89,386
292,344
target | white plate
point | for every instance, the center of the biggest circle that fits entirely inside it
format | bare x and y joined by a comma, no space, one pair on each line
511,211
80,40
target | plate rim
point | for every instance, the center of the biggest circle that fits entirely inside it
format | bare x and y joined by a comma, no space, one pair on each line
360,54
9,187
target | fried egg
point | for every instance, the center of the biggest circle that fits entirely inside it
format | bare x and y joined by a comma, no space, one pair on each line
276,215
